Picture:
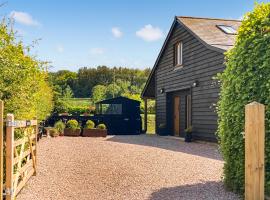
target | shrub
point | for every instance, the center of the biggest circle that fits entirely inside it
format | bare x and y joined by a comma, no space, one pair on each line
189,129
102,126
90,124
72,124
59,126
245,79
54,133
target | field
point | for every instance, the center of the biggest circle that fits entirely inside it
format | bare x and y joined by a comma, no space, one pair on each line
79,102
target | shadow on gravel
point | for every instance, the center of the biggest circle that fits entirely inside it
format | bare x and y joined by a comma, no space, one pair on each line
208,190
198,149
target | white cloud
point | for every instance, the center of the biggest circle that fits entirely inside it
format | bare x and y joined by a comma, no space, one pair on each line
24,18
150,33
60,49
97,51
116,32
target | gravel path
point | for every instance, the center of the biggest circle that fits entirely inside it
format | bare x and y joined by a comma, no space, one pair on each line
126,168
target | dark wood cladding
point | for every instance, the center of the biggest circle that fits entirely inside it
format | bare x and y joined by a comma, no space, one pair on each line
199,64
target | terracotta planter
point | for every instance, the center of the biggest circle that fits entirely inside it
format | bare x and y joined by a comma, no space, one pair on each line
72,132
94,132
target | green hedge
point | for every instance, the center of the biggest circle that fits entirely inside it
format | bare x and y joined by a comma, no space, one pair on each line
245,79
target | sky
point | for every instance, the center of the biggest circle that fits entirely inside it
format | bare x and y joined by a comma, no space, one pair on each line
81,33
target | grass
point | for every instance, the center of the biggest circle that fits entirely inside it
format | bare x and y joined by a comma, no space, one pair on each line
150,123
79,101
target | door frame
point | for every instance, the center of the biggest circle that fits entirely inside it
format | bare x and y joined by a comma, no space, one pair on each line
183,112
176,115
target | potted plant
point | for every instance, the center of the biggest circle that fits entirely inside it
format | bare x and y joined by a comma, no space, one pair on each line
53,132
162,129
90,130
72,128
60,126
188,136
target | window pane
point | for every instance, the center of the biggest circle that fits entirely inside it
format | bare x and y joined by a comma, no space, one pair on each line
111,109
227,29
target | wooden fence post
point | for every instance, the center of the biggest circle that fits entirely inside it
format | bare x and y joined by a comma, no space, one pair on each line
9,156
1,147
254,151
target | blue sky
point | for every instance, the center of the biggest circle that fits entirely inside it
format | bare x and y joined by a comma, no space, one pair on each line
114,32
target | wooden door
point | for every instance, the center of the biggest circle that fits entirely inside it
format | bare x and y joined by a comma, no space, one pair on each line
176,115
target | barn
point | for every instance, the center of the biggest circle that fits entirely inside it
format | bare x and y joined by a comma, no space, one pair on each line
181,80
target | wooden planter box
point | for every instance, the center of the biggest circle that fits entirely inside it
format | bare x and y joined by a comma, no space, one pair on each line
94,132
72,132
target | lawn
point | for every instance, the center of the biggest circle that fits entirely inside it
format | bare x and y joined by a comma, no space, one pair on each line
150,123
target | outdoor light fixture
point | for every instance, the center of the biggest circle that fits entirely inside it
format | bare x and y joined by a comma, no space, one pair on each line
161,90
195,84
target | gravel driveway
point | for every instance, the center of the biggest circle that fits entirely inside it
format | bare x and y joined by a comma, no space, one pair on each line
126,168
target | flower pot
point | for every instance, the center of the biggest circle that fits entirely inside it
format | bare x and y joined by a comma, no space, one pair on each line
53,133
72,132
188,137
94,132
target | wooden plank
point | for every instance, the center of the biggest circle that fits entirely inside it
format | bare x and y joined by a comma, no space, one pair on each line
26,153
9,158
1,147
26,166
24,181
22,123
20,141
33,155
19,166
254,151
35,147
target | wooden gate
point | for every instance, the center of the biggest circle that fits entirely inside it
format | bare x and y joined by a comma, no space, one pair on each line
20,154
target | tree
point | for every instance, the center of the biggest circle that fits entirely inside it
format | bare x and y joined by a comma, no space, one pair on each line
245,79
23,80
98,93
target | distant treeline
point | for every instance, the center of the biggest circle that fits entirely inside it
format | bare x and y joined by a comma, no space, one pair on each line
98,83
82,82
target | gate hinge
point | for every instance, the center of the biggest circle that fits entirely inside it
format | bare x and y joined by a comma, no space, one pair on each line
8,191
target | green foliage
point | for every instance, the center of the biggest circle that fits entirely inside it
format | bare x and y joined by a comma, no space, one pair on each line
245,79
98,93
23,80
74,106
90,124
73,124
188,130
102,126
59,126
53,133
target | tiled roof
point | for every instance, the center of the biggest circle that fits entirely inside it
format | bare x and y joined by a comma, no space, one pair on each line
206,29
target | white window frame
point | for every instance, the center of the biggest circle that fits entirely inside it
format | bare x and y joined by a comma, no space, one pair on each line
178,54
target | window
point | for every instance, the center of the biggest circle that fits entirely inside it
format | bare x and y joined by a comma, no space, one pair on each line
178,54
110,109
227,29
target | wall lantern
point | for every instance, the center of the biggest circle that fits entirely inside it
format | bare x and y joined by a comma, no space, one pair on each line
195,84
162,90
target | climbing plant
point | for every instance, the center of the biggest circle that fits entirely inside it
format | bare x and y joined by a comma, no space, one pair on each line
245,79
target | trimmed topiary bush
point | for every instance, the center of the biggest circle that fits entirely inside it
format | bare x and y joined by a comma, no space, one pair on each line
59,126
102,126
89,124
245,79
73,124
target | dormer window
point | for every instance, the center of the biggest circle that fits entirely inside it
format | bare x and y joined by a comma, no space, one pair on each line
178,54
227,29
